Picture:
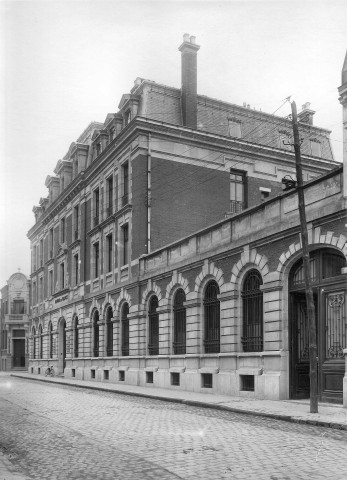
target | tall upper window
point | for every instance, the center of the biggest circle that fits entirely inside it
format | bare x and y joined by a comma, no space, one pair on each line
109,257
41,289
18,306
125,198
252,304
179,343
51,243
41,252
212,318
76,265
50,282
62,230
125,231
125,330
76,221
96,334
96,206
96,260
235,128
153,327
62,275
34,293
109,332
109,196
237,191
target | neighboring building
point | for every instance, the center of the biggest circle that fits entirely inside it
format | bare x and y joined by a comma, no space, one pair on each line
14,323
125,290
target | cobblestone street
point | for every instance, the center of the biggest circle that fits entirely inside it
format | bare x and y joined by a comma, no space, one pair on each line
61,432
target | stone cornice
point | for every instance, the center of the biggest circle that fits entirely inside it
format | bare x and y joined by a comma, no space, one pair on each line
140,125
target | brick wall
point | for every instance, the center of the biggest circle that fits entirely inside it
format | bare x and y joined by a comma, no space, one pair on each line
139,201
185,198
254,194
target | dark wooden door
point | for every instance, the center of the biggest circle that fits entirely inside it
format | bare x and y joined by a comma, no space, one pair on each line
300,363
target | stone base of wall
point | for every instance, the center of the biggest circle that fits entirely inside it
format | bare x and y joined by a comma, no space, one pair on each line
252,375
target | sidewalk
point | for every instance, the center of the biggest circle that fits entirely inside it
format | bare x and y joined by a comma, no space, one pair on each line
298,411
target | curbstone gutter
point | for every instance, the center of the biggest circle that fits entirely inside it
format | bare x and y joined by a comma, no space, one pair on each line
194,403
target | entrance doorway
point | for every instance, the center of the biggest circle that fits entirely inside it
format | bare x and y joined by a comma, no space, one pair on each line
62,345
18,359
330,297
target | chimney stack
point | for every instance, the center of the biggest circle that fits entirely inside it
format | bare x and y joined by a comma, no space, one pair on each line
189,51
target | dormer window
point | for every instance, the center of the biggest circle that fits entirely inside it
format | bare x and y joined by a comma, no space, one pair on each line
98,148
234,128
112,133
127,117
316,149
285,141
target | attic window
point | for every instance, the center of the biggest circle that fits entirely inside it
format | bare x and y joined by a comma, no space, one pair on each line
285,140
112,133
235,128
98,148
316,149
127,117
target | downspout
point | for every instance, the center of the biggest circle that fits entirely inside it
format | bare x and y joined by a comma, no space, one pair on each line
149,194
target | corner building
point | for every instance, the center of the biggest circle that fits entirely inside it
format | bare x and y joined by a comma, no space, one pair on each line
162,253
14,323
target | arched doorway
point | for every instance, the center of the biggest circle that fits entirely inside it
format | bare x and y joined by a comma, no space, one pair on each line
62,345
329,291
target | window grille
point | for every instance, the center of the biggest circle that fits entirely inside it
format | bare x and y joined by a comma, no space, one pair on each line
206,380
76,338
323,264
149,377
109,332
175,379
153,325
252,301
50,340
40,342
34,342
179,343
247,383
96,334
212,318
125,330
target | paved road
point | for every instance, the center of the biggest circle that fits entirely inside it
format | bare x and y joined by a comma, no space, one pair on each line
62,432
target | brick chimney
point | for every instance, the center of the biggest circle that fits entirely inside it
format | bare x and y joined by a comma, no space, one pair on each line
306,114
189,51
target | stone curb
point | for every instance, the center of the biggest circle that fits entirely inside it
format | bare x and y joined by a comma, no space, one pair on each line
196,403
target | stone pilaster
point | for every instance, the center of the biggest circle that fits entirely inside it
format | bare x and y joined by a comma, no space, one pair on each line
193,330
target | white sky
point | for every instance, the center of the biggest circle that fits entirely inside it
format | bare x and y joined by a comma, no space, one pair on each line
67,63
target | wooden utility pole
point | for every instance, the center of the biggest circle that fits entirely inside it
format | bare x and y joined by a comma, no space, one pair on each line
311,314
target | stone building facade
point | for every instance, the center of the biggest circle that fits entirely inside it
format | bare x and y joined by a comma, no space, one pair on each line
124,289
14,323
